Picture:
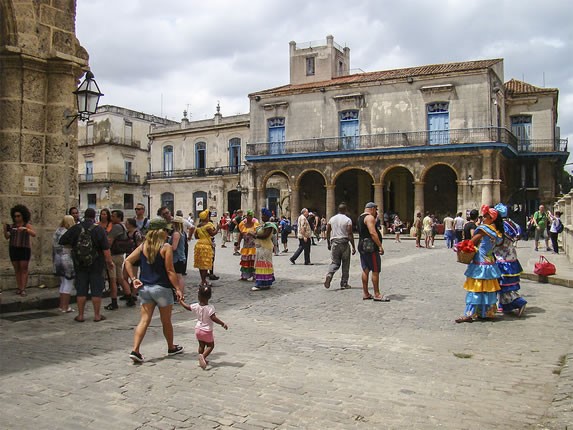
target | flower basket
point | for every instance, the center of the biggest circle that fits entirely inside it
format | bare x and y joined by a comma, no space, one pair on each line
466,251
466,257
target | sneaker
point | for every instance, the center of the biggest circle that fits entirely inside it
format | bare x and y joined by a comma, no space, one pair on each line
328,279
112,307
236,253
345,287
177,350
130,302
213,277
520,311
136,357
124,298
536,249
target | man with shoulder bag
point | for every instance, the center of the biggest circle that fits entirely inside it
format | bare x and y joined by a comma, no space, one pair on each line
119,244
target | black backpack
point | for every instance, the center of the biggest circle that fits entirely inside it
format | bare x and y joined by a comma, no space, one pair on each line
84,253
287,228
122,244
560,227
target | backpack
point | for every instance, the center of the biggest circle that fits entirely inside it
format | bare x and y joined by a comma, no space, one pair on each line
144,227
560,227
287,228
84,253
121,244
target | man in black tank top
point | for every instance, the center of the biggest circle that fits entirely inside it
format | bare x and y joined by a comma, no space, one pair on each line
370,261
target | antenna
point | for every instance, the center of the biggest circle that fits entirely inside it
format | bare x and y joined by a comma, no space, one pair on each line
543,79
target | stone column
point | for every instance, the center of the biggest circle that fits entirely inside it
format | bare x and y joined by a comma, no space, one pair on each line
379,197
330,201
486,181
418,198
294,204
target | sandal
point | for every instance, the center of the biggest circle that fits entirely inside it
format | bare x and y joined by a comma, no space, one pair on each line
101,318
23,293
381,299
368,298
464,319
78,319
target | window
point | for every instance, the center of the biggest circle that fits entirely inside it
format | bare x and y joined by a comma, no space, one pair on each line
276,135
89,170
201,156
349,129
529,175
128,201
309,66
521,128
128,133
438,123
128,175
168,160
90,133
92,201
340,68
167,200
234,154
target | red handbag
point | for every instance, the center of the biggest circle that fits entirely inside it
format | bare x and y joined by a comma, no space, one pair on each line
543,267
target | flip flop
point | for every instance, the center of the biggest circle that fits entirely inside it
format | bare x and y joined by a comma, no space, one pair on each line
368,298
381,299
101,318
78,319
202,362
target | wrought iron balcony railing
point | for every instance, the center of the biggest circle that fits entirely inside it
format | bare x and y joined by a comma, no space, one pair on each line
401,139
192,173
542,145
109,177
110,140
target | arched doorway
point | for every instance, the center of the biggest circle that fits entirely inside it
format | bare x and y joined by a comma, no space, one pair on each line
441,191
399,194
277,194
312,193
355,188
233,201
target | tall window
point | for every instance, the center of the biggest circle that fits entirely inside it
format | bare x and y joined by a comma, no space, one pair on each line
309,66
90,133
234,154
128,201
89,170
92,201
128,133
168,160
438,123
521,128
128,177
167,200
276,135
349,129
200,156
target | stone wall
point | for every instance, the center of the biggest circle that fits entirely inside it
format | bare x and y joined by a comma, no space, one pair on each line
41,61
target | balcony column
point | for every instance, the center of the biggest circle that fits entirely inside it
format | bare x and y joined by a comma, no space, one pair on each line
418,197
294,204
496,186
487,182
379,197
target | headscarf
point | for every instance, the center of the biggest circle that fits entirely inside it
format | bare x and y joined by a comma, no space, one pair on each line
250,212
486,210
204,216
501,210
157,224
266,212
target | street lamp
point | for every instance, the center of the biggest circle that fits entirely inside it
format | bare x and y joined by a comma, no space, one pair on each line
241,189
87,98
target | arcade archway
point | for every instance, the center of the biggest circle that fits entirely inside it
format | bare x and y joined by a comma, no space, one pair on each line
312,192
399,194
355,188
441,191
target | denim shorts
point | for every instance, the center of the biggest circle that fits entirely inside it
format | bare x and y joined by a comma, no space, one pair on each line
161,296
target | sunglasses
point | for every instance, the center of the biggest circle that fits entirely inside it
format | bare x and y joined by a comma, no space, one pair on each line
139,209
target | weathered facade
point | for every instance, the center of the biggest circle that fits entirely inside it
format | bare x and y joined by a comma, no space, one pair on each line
199,164
441,138
41,61
113,158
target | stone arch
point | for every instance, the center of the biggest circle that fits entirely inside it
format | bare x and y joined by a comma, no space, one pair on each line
347,168
270,173
304,172
276,186
394,166
429,167
398,192
311,189
354,186
441,190
8,25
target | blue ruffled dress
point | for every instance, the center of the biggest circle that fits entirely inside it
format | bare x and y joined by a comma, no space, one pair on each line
506,260
482,276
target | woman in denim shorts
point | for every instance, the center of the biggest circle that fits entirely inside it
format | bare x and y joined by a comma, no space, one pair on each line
157,285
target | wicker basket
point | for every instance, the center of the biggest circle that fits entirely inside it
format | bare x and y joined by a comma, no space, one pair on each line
466,257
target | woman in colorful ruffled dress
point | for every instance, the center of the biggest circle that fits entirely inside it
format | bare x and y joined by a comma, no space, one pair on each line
248,228
506,259
482,273
203,248
264,272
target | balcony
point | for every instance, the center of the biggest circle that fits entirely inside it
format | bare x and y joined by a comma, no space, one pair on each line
412,139
196,173
110,140
542,145
109,177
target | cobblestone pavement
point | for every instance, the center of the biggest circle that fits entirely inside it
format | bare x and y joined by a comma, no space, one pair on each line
299,356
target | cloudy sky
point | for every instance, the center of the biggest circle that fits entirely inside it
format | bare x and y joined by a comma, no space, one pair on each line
160,56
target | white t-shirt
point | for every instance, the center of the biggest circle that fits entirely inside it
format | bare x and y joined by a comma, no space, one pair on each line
459,223
448,223
204,321
339,226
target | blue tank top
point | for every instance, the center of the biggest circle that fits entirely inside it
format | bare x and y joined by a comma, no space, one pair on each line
179,253
154,274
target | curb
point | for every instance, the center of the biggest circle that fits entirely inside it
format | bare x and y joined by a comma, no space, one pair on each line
554,280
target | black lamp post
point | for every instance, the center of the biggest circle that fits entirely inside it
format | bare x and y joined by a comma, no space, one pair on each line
87,98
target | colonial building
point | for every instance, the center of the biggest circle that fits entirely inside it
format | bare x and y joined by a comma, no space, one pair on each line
197,165
441,138
113,158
